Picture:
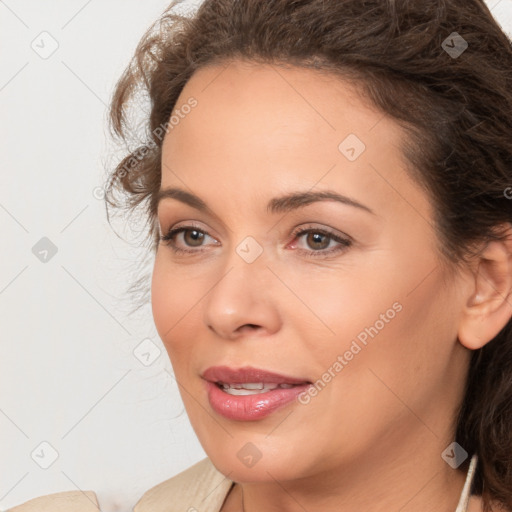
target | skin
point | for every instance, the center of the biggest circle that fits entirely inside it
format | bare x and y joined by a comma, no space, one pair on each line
372,438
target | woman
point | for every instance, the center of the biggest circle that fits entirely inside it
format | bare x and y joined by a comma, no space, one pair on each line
327,186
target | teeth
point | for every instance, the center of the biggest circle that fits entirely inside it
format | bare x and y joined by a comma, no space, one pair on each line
252,388
250,385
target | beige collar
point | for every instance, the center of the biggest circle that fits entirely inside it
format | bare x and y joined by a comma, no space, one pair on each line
466,490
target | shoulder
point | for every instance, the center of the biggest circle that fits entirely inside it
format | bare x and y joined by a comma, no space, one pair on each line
67,501
199,488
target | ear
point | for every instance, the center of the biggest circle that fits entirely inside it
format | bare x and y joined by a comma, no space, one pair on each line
489,304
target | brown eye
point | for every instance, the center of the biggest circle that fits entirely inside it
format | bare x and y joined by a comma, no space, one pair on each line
318,243
195,238
317,240
192,237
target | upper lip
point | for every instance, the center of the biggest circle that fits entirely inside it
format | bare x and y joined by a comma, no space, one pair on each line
228,375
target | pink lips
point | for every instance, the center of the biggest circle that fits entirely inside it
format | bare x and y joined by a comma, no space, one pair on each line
249,407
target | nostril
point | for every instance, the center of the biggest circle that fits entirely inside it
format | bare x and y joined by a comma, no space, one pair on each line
249,326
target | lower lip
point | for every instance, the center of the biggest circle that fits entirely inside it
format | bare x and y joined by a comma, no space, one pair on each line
251,407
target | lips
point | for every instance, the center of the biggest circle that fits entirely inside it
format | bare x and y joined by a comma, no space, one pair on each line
249,394
227,375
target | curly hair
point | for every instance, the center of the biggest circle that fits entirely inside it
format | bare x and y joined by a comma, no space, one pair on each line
442,69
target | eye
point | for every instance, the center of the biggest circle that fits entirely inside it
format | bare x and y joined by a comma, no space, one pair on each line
319,240
195,239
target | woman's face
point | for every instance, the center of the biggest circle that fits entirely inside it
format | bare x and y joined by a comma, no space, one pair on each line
366,311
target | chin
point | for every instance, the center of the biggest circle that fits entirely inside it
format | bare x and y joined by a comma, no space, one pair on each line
247,464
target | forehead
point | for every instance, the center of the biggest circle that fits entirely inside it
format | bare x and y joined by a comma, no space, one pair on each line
262,127
274,103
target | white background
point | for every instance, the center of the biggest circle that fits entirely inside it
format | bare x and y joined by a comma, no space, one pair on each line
68,374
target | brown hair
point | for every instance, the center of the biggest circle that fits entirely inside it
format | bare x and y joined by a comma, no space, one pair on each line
454,102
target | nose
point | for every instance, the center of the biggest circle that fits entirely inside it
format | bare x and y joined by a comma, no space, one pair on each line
244,301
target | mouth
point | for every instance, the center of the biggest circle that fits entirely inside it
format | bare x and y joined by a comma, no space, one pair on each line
251,388
247,394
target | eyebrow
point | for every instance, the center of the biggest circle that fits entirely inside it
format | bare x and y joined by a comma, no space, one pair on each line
282,204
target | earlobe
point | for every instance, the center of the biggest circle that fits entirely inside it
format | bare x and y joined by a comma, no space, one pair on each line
489,305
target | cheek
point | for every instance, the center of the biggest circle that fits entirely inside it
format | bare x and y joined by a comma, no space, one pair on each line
385,383
172,302
402,361
162,302
391,334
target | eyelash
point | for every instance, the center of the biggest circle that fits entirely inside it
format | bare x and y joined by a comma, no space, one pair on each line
345,243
